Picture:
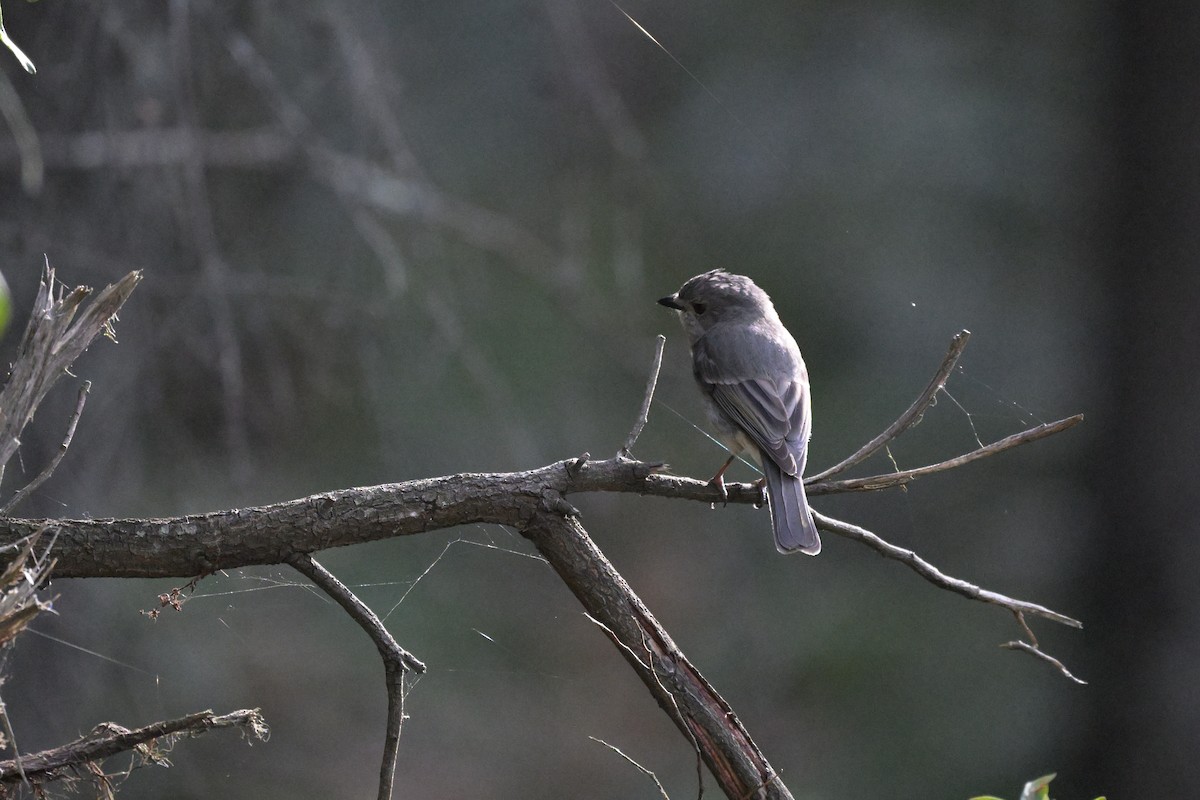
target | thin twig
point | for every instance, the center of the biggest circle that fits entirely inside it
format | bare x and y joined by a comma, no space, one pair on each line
12,742
1034,649
396,660
19,582
661,791
908,418
357,609
616,640
30,487
1025,627
1037,652
934,575
902,477
644,411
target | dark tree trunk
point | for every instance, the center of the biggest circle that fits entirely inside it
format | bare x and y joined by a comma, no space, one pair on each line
1139,738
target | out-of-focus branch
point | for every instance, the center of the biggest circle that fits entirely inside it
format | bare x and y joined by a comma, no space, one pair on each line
366,183
24,136
587,73
109,739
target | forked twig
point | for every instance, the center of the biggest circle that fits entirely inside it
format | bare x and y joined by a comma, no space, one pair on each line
910,417
1034,649
902,477
396,660
819,484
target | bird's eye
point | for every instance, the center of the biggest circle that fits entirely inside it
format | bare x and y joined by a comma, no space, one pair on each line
699,308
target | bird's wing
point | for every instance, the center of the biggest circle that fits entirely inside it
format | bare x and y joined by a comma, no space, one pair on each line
773,410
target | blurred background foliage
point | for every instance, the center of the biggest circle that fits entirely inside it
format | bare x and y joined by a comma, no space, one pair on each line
393,240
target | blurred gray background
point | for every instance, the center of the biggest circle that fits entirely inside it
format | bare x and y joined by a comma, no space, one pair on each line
385,241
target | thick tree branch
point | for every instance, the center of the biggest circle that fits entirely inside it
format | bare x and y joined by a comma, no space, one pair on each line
203,543
681,691
199,544
531,502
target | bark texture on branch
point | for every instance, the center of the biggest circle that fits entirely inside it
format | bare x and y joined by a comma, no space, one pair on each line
201,543
680,690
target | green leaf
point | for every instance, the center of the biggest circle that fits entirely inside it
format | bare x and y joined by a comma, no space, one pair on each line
5,305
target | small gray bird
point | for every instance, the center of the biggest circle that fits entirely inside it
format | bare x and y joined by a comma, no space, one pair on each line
755,386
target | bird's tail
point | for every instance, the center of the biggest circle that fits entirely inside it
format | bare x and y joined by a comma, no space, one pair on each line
790,517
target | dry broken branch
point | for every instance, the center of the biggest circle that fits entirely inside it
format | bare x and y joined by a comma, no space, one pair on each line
108,739
53,339
19,583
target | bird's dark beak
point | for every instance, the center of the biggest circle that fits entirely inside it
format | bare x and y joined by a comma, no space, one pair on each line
670,301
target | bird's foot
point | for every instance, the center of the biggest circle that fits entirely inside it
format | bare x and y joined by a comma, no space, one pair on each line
718,481
761,485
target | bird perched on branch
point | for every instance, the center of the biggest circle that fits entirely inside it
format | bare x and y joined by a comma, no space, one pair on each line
755,387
